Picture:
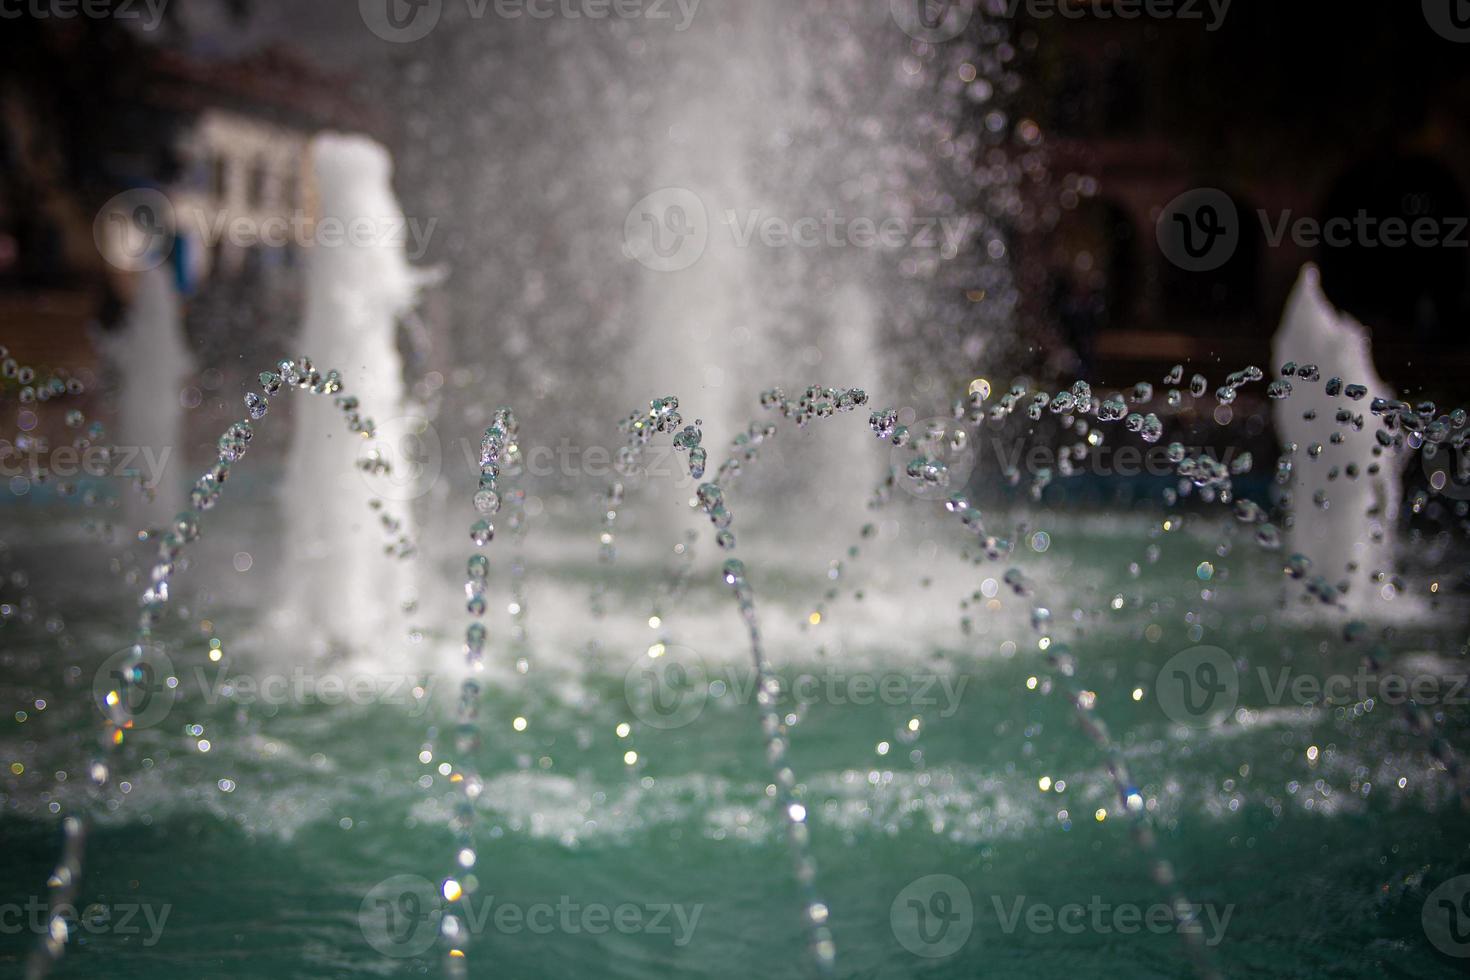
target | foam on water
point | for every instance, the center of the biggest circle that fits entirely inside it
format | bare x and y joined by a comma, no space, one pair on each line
290,780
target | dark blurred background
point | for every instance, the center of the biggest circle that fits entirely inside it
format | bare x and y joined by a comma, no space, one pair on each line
1320,109
1313,108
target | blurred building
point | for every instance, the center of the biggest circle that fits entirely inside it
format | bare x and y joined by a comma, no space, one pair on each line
88,112
1275,109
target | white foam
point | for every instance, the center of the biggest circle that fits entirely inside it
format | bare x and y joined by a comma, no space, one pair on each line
337,588
1315,332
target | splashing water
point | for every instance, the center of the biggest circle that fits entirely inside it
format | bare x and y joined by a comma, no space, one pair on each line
739,311
724,296
499,452
1079,413
334,593
135,667
663,417
1345,487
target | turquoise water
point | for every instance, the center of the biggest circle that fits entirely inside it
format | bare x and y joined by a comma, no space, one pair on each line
1265,819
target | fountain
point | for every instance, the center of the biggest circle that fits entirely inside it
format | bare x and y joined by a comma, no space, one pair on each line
984,541
730,256
855,833
151,359
336,594
131,673
1345,488
499,451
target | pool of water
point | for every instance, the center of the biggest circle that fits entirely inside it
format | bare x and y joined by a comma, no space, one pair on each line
309,838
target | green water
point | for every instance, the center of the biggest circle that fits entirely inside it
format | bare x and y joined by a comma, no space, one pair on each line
1318,878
